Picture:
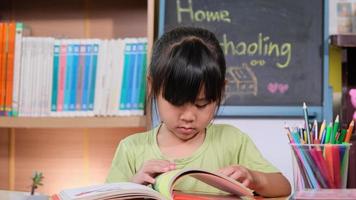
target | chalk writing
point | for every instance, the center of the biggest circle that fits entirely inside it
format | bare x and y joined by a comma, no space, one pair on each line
262,47
201,15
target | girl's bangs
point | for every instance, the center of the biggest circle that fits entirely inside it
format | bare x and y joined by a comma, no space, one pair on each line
191,68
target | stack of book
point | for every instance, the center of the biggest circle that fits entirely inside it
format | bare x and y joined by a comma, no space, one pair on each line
44,76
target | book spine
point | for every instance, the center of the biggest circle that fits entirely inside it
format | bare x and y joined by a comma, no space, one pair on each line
68,76
55,75
101,70
75,66
17,70
85,96
42,77
23,76
135,78
142,79
81,66
118,51
38,76
37,96
92,81
124,98
4,39
49,74
62,72
33,77
10,69
107,79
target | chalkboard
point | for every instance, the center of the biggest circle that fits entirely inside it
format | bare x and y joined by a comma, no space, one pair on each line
274,49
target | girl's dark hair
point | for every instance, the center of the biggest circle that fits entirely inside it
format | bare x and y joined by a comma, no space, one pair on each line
184,60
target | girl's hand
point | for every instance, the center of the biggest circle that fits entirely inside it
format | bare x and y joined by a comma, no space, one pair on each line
150,169
239,173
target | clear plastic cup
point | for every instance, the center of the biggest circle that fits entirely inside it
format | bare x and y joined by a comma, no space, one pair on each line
320,166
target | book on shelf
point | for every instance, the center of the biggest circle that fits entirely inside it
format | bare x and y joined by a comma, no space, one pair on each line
47,76
162,189
17,64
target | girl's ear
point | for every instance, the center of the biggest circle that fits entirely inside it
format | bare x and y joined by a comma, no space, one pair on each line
149,84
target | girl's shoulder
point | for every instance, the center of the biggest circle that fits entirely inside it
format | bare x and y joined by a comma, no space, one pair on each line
138,138
227,136
226,132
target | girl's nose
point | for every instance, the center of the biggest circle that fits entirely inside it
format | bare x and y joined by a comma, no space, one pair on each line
187,113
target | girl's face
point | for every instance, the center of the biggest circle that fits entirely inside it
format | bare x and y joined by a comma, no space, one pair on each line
188,120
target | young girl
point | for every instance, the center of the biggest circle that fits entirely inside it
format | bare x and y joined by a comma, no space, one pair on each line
187,80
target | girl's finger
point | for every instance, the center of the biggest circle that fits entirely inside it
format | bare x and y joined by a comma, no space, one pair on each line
246,182
226,171
148,179
237,175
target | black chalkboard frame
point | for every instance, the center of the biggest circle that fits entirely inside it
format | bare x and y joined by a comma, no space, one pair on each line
319,112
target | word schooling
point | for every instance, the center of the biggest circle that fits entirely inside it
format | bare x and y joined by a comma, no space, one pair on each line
201,15
262,47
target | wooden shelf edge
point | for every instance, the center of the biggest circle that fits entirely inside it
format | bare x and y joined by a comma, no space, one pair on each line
73,122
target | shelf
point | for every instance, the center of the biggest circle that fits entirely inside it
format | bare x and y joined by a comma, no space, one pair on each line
73,122
344,40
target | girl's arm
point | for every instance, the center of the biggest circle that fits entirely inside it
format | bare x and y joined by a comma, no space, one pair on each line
265,184
271,184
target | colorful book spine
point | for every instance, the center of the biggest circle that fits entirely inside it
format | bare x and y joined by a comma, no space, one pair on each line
85,96
4,41
74,77
9,74
92,78
124,98
142,78
55,75
134,83
68,75
2,54
62,73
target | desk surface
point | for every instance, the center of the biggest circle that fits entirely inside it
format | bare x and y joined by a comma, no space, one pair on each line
12,195
15,195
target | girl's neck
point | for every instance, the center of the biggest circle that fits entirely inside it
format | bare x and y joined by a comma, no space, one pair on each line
175,148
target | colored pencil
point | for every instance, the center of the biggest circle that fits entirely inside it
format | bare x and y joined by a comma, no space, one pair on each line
322,128
349,131
306,120
335,130
328,133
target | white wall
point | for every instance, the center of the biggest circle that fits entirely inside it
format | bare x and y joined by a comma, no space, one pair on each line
270,137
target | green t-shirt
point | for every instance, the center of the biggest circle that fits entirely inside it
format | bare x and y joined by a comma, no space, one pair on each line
224,145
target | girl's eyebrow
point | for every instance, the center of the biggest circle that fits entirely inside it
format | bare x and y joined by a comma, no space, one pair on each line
201,99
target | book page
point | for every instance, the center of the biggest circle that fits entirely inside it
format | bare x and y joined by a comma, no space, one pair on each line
165,182
123,190
223,183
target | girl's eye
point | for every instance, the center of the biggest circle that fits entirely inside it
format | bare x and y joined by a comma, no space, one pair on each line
200,106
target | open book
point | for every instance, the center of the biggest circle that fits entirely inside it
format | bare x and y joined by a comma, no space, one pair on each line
163,188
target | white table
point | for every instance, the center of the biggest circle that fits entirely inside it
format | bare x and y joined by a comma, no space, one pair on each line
15,195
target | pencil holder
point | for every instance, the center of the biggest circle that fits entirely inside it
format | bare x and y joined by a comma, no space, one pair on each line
318,166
